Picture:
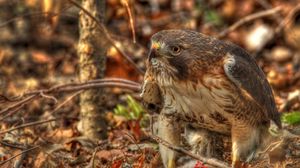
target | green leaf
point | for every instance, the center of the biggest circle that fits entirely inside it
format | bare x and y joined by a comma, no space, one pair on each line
213,17
291,118
132,111
135,107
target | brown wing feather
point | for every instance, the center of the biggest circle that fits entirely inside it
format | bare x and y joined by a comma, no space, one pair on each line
243,71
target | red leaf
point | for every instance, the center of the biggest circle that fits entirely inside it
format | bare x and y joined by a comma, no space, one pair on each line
199,165
117,164
135,128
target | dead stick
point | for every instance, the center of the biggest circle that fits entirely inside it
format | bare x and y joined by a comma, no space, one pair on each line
22,102
10,113
21,153
66,101
248,19
29,125
12,145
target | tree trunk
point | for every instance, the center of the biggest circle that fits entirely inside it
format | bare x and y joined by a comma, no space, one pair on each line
92,58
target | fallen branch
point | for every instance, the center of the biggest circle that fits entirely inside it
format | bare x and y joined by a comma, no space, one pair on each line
248,19
211,161
72,87
21,153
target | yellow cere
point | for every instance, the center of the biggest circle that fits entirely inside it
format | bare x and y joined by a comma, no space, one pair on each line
155,45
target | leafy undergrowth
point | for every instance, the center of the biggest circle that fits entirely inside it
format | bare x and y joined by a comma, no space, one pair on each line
291,118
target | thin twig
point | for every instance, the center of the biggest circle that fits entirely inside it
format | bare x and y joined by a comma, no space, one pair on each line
133,140
10,113
265,4
248,19
211,161
18,162
125,3
25,151
22,102
108,36
28,125
93,158
12,145
66,101
287,19
48,97
4,99
279,29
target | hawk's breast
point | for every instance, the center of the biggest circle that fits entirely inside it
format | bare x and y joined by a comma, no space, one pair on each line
201,103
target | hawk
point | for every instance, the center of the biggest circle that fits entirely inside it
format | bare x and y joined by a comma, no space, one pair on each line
213,87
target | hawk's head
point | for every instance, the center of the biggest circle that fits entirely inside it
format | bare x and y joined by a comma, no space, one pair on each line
172,52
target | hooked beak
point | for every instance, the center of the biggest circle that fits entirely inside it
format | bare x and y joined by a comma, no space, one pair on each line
154,51
152,54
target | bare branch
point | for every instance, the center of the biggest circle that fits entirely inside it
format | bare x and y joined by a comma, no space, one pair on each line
265,4
72,87
248,19
287,19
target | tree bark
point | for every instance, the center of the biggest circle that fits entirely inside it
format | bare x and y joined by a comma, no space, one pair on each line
92,58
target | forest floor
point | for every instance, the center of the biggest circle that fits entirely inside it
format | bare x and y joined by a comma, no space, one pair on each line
38,51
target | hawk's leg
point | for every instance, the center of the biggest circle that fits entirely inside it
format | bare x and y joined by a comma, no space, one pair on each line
204,142
245,141
169,130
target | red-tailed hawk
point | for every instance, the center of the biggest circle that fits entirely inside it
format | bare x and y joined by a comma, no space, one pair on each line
213,87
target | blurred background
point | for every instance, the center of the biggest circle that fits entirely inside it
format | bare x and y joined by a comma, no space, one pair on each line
38,50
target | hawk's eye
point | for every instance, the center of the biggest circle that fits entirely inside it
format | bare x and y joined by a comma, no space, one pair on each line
175,50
